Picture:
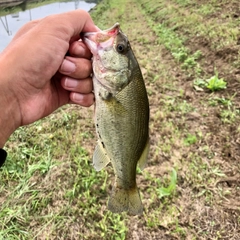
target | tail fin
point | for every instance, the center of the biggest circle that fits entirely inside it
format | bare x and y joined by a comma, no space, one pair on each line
125,200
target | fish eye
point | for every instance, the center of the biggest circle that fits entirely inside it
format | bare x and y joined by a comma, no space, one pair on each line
120,48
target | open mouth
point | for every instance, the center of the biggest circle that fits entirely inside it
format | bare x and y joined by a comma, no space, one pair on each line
103,39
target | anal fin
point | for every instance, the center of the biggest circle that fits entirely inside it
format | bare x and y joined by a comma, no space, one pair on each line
143,159
100,157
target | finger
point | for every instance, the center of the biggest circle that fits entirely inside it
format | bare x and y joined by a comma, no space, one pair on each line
75,85
79,49
25,28
85,100
78,68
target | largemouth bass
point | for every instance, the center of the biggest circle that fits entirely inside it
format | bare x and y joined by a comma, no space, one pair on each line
121,115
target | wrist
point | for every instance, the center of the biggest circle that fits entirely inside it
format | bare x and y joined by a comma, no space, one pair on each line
7,119
8,105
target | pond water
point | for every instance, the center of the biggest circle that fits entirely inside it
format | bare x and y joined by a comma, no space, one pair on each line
10,23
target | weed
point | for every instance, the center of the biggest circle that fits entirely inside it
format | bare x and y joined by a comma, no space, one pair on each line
191,62
176,46
183,2
181,55
228,115
190,139
214,83
218,172
223,101
199,84
170,189
179,106
206,9
180,230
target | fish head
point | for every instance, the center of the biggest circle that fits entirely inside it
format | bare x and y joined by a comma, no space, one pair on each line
113,59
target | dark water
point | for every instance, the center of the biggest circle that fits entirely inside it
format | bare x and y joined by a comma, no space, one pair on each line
10,23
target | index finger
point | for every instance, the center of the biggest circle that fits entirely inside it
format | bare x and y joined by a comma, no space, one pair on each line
79,49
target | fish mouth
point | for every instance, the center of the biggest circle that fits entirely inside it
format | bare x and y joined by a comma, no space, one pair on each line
96,41
102,39
112,31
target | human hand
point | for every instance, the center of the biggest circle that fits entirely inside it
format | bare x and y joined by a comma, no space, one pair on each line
36,78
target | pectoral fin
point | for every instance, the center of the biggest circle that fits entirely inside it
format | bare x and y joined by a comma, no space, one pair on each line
143,159
100,157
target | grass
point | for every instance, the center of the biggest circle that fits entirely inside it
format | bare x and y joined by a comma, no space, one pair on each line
49,188
171,188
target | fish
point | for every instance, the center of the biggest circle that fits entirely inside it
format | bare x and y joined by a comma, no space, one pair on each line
121,115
